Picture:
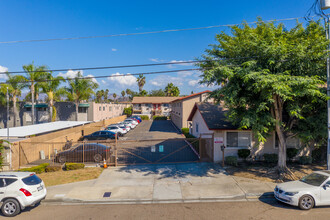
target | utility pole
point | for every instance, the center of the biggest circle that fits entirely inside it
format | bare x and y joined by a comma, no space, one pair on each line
325,4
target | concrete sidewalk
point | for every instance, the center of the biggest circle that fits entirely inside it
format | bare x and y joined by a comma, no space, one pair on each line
192,182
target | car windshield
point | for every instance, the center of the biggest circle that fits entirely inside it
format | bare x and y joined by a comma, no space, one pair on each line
314,179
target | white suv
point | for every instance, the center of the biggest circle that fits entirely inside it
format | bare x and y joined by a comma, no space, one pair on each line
19,190
116,129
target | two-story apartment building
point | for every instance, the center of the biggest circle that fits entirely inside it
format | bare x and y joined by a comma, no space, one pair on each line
151,106
181,108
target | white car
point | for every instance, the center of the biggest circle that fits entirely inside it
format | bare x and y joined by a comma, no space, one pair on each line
19,190
117,129
122,125
131,125
312,190
132,121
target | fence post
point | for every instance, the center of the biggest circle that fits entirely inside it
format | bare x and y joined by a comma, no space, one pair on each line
200,146
115,149
83,154
53,153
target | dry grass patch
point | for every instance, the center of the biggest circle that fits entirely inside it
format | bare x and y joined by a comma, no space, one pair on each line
270,173
63,177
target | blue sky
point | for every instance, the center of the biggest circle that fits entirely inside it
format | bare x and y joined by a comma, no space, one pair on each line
39,19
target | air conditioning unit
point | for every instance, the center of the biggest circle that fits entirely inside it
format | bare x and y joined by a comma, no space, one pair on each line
325,4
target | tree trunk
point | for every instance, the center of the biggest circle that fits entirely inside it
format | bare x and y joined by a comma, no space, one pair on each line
279,130
32,99
51,110
15,110
77,105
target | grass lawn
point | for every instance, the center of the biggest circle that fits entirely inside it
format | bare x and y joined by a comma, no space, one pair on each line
62,177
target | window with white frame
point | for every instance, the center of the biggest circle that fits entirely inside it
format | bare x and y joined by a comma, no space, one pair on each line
238,139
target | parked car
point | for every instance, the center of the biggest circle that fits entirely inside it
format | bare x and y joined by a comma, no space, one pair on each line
100,135
312,190
132,121
130,124
123,125
117,129
137,117
89,151
19,190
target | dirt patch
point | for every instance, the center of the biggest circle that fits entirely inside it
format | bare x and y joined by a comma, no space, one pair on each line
63,177
266,172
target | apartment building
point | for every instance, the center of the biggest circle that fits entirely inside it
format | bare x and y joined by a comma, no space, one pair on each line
151,106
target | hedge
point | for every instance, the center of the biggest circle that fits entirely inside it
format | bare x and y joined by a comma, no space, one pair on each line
73,166
144,117
243,153
305,160
291,153
185,130
53,169
271,158
159,118
37,169
231,160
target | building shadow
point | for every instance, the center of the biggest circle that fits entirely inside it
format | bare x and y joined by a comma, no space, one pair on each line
163,126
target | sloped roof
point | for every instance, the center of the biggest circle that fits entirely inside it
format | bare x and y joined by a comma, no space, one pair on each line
213,115
152,99
192,95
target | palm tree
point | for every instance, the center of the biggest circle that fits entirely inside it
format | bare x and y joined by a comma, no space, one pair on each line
80,89
15,85
172,90
106,95
34,73
114,96
141,80
50,88
123,93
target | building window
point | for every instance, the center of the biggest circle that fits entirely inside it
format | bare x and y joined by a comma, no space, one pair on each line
100,108
238,139
110,109
28,109
82,110
103,108
166,105
197,128
42,109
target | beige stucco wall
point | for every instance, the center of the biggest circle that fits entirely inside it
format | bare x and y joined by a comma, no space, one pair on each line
101,111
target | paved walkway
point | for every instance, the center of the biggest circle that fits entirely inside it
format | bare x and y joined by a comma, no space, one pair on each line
161,184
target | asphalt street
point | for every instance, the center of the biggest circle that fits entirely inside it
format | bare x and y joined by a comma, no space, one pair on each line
267,209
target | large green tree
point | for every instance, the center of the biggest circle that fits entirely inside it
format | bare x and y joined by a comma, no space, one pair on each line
51,88
158,92
80,89
269,77
172,90
34,74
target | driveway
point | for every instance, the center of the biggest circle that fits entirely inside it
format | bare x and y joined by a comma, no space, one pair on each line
162,183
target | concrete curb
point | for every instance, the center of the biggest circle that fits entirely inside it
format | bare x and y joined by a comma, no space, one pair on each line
246,197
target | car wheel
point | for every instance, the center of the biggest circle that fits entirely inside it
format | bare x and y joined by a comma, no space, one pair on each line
306,202
62,159
10,208
97,158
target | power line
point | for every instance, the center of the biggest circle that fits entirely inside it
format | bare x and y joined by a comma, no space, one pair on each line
111,76
130,66
145,33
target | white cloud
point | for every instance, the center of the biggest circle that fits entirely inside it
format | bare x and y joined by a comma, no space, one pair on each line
181,64
155,83
193,82
103,82
162,81
185,73
93,79
71,73
114,49
157,60
128,80
3,70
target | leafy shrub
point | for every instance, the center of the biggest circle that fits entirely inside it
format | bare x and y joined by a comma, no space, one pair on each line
158,118
74,166
53,169
319,154
128,111
185,130
243,153
1,151
37,169
271,158
305,160
231,160
144,117
291,153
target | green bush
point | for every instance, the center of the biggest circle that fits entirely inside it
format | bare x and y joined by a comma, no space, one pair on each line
74,166
128,111
319,154
305,160
53,169
158,118
291,153
271,158
1,152
243,153
144,117
185,130
37,169
231,160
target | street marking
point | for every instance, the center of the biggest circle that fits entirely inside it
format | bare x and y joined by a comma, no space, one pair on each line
59,195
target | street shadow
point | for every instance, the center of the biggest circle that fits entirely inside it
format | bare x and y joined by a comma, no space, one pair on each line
163,126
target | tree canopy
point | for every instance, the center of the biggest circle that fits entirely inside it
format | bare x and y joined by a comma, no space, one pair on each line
271,79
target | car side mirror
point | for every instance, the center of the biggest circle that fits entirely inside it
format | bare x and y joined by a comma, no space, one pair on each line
325,186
